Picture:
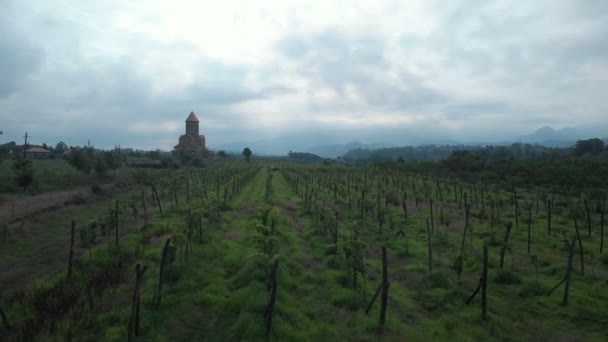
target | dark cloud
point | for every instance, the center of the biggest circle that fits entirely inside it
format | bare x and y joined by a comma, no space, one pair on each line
19,58
481,68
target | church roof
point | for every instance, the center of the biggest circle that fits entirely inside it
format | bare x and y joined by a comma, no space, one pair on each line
192,118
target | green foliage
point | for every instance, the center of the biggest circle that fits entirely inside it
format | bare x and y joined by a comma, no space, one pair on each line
347,298
247,153
590,146
24,173
355,251
86,159
221,292
438,280
507,277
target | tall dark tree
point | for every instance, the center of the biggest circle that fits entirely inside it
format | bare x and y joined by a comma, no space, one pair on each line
24,172
247,153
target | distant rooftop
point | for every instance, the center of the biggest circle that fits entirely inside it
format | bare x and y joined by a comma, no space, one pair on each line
192,118
36,150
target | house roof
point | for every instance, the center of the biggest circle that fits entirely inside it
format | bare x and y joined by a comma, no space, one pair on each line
36,150
192,118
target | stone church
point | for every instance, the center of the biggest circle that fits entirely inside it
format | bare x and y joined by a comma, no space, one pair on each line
192,142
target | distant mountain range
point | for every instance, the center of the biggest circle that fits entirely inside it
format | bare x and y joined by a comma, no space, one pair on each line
325,144
564,137
333,151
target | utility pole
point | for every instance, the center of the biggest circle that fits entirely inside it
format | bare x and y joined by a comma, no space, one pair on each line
25,145
89,143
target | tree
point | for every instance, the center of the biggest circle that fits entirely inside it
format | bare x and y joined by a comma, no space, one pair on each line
82,159
111,159
24,172
592,146
247,153
101,168
222,154
61,147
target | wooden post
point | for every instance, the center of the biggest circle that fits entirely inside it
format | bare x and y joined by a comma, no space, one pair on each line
134,321
484,285
5,321
143,201
160,207
568,274
268,313
163,261
116,222
384,295
602,212
549,206
432,223
580,246
430,246
71,255
503,249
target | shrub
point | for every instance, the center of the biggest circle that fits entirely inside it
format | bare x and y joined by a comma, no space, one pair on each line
507,277
96,189
605,259
347,298
531,289
438,280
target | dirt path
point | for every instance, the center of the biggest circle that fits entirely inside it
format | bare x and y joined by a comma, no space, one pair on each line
18,208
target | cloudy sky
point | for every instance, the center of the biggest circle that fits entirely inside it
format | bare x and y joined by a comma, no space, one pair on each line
129,72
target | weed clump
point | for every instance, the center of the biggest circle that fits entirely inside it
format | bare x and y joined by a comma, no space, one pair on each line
507,277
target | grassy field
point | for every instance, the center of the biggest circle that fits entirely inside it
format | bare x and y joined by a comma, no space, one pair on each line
49,175
217,287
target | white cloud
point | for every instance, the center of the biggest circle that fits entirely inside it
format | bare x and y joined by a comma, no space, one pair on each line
465,68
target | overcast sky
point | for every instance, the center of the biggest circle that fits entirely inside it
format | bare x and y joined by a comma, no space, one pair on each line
129,72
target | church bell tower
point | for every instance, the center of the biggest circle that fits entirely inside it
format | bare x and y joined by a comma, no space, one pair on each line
192,125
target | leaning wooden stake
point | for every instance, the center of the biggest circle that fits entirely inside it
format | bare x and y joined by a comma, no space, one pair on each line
369,306
5,321
116,222
602,210
503,249
134,321
160,207
568,275
566,278
467,211
384,295
483,286
430,245
432,223
143,201
268,313
580,246
161,272
71,256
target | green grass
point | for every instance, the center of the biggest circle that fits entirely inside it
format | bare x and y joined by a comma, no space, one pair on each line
49,175
219,292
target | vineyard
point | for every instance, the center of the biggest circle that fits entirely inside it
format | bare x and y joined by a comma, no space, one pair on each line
241,250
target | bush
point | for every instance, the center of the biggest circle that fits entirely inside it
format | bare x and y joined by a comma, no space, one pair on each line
347,298
438,280
96,189
531,289
605,259
507,277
